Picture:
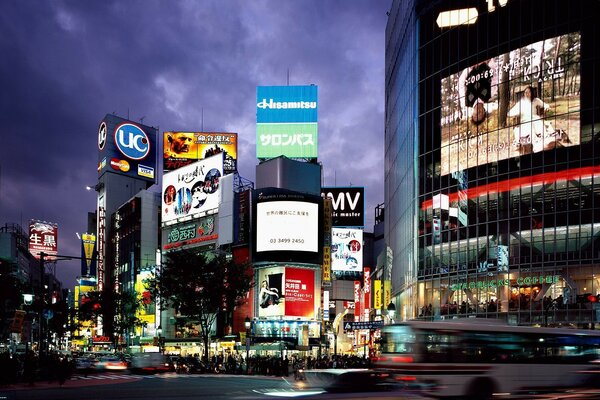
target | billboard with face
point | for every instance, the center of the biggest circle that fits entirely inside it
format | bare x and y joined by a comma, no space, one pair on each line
286,121
287,226
192,189
348,205
286,291
346,249
43,237
521,102
184,148
127,148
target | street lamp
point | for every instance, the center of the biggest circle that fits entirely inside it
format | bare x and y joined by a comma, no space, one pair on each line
248,325
391,309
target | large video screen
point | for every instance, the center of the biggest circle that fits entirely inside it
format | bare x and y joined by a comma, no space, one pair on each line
287,226
522,102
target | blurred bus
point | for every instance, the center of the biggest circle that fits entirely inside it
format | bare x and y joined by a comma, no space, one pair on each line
479,359
149,362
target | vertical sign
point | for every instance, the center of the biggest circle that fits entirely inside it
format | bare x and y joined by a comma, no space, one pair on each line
88,264
377,294
356,301
326,305
367,292
326,266
387,293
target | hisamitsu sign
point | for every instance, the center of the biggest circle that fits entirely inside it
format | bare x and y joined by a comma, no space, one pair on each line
355,326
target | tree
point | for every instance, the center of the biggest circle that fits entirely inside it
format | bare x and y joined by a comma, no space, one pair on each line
127,306
124,305
199,286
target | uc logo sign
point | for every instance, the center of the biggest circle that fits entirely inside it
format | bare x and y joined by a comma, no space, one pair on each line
132,141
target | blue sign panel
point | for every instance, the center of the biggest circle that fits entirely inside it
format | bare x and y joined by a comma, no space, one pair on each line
127,148
276,104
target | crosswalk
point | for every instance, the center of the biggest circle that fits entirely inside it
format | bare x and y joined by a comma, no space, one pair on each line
116,376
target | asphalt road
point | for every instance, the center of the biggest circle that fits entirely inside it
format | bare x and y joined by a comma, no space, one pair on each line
124,386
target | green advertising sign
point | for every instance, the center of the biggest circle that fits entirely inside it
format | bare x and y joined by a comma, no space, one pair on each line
294,140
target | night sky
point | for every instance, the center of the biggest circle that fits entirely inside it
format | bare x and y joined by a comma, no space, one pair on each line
65,64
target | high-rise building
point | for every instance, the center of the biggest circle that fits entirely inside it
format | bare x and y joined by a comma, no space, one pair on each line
491,154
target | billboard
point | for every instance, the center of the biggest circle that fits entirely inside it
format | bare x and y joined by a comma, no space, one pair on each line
184,148
522,102
346,249
348,205
198,232
192,189
286,291
127,148
43,237
287,226
286,121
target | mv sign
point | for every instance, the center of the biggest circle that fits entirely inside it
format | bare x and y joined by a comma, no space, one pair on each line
348,205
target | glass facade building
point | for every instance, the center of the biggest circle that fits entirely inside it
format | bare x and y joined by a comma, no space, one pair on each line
492,159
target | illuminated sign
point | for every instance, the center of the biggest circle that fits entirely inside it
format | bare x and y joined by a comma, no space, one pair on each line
202,231
192,189
43,238
287,225
127,148
348,205
299,292
508,106
184,148
286,291
346,249
88,264
495,283
286,121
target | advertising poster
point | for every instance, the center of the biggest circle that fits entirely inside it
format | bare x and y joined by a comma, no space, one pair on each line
286,121
346,249
184,148
43,238
127,148
271,297
192,189
522,102
299,292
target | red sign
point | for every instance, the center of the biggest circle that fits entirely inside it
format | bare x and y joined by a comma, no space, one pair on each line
356,301
43,237
299,292
367,286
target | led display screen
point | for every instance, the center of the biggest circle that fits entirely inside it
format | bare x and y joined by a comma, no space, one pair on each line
522,102
287,226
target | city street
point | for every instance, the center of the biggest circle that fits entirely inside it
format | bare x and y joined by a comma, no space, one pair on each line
168,386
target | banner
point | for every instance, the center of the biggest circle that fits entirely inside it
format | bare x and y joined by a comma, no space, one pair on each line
387,293
299,292
377,294
357,301
43,237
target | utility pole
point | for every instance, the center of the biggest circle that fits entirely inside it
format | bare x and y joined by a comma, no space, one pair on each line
42,304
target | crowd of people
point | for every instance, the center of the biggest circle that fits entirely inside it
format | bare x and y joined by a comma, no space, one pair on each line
29,368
